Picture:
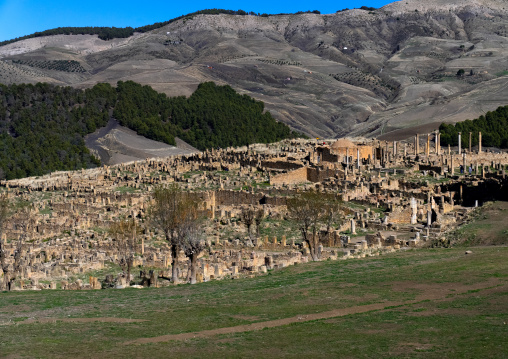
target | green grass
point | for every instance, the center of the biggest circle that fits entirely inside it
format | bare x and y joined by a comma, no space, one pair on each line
191,173
126,189
356,206
46,210
502,73
486,226
462,323
279,227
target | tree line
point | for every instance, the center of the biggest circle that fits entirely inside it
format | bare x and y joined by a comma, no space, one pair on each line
493,126
42,126
213,116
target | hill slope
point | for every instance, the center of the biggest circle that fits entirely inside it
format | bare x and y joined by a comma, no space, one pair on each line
353,72
115,144
43,127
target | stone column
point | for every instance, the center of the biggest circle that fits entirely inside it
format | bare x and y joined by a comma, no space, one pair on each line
460,144
452,171
479,142
394,149
464,162
470,141
429,218
417,144
427,149
405,149
436,140
358,157
414,210
353,227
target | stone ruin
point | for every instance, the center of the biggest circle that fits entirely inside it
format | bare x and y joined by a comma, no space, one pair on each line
398,196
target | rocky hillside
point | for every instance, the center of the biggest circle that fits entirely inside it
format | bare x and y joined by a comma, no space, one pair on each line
390,71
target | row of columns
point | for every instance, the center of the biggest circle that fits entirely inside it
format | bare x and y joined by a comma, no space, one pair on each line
470,142
357,158
437,146
437,140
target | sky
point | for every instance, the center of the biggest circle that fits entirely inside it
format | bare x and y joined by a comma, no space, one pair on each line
24,17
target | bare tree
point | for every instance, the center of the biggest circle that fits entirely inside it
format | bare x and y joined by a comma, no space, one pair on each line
248,216
4,212
17,265
4,215
4,264
260,215
313,210
172,211
26,222
193,244
125,233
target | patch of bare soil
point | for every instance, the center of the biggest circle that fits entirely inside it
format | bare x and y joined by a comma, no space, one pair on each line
225,340
81,320
15,308
404,349
438,291
245,317
432,291
382,328
13,356
116,144
449,311
494,227
406,133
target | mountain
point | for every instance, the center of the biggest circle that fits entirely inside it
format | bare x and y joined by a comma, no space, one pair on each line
390,71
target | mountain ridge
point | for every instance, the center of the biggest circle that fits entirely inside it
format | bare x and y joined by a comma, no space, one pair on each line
355,72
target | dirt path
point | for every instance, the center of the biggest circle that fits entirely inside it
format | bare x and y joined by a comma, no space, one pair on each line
268,324
432,292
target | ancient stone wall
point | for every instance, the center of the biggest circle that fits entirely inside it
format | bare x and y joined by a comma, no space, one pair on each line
319,174
326,155
230,198
365,152
293,177
400,215
281,165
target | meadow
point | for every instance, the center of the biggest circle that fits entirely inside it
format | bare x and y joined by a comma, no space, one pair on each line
424,303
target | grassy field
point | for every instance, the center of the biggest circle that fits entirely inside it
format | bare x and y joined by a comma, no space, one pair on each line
430,303
488,226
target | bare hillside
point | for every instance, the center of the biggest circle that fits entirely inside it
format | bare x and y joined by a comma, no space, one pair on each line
115,144
354,72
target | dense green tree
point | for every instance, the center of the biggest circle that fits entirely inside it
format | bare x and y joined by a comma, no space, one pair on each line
42,126
493,126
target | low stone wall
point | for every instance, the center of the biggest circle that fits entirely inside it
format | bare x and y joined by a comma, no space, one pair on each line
293,177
